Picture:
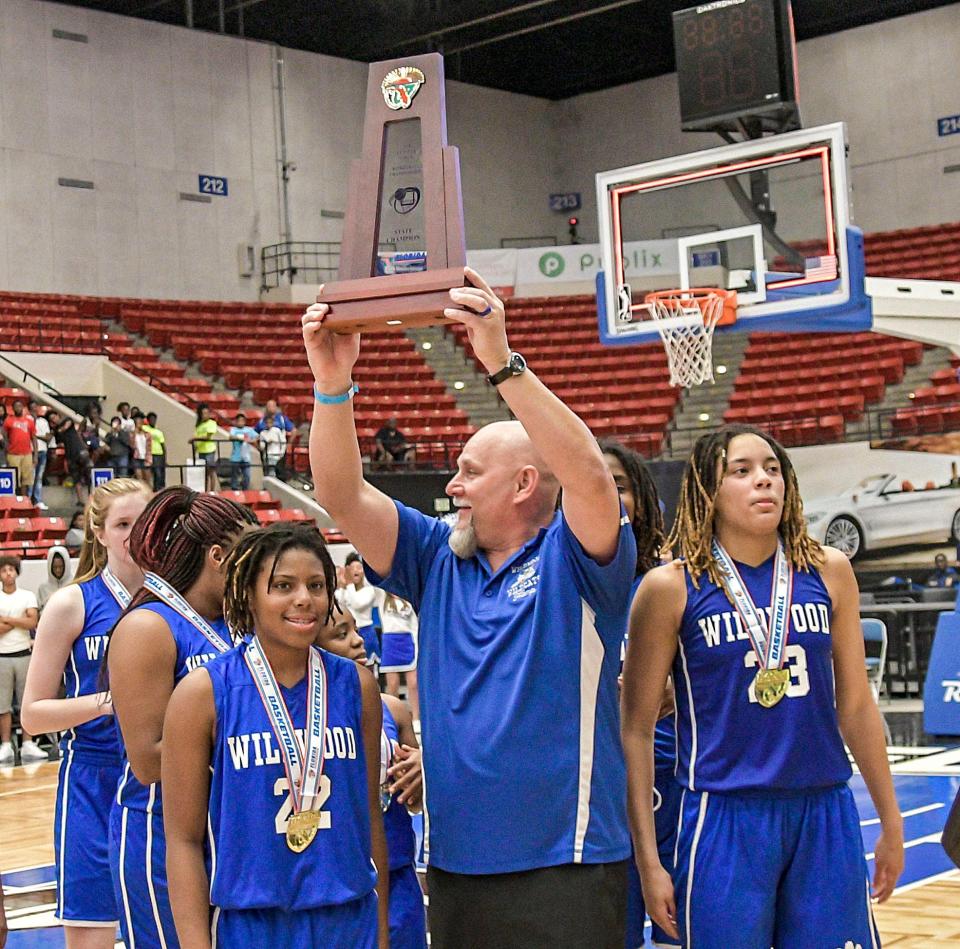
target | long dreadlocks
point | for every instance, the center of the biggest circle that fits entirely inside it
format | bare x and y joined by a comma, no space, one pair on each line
647,518
248,557
692,533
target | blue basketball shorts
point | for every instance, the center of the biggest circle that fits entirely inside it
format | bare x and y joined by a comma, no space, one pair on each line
408,918
666,811
370,644
81,840
138,853
783,869
399,653
352,924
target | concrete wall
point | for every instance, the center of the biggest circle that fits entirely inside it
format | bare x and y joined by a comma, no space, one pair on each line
142,109
889,82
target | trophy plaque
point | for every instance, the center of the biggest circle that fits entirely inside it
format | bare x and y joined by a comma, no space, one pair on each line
403,245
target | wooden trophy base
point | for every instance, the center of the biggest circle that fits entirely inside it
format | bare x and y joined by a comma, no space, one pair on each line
394,302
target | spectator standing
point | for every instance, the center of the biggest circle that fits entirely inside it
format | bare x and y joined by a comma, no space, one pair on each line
59,574
18,616
126,416
273,444
521,609
205,446
21,449
140,450
118,441
3,435
942,575
43,438
392,445
242,436
75,449
158,452
361,598
273,411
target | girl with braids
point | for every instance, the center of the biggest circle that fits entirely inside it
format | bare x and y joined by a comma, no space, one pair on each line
273,751
70,643
401,790
638,493
174,624
761,626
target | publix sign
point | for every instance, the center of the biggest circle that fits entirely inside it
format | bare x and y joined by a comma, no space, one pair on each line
579,263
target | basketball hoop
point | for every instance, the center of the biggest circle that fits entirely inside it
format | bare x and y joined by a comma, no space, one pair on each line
686,320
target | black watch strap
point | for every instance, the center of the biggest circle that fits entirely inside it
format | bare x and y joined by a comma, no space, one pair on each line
516,364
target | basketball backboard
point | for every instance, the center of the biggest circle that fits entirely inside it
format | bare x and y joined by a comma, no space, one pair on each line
769,218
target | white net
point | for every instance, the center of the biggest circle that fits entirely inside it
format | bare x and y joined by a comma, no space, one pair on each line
686,323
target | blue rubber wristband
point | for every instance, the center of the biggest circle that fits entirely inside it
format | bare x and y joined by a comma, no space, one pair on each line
335,399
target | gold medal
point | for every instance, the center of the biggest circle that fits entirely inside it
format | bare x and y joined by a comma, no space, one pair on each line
301,829
771,685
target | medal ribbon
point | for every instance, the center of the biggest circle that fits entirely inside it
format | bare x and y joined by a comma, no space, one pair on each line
768,640
160,588
302,762
119,591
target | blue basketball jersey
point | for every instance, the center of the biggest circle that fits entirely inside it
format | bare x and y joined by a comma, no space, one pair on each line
250,798
727,741
193,651
96,739
397,823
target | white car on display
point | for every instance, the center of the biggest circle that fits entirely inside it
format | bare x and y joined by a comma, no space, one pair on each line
885,511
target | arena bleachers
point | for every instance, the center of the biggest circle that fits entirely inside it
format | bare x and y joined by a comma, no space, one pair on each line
805,387
618,392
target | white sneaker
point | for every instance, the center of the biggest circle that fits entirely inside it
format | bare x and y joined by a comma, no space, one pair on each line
6,753
42,506
31,751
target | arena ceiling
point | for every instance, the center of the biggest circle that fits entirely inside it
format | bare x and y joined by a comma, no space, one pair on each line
547,48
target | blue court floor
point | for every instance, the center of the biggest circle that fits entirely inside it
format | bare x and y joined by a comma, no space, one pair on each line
924,797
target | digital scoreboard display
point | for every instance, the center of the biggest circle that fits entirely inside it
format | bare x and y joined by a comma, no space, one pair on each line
735,59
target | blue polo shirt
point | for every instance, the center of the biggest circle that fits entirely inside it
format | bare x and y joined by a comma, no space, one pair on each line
519,706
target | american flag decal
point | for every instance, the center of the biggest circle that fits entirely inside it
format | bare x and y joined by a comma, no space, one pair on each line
821,268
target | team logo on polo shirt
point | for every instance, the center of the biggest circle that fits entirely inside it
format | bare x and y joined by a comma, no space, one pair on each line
527,578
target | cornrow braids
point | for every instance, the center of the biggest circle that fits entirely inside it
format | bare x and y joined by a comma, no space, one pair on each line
692,533
647,518
175,528
248,557
93,555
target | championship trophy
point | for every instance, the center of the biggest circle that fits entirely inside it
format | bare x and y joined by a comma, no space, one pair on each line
403,246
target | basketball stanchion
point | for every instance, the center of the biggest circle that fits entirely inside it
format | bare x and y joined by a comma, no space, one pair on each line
686,320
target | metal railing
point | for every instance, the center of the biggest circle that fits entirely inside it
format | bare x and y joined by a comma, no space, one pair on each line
298,262
930,418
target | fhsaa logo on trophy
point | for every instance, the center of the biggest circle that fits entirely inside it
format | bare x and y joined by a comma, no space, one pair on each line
400,86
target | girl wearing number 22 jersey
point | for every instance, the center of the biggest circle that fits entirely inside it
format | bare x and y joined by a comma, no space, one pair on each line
760,627
273,763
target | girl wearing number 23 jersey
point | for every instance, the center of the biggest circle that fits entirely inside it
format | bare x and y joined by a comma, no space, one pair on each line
760,626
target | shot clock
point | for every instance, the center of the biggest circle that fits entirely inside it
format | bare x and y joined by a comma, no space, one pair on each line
736,66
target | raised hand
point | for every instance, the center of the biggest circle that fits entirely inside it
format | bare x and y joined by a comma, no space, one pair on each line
482,312
332,356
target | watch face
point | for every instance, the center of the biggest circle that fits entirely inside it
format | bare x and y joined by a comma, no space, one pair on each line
517,363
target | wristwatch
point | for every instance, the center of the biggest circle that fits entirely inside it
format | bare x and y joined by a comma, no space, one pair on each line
516,365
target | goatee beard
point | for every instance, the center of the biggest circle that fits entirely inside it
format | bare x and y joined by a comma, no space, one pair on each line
463,541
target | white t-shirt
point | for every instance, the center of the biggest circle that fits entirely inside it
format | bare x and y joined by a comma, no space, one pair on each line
42,430
16,604
274,442
360,602
396,615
